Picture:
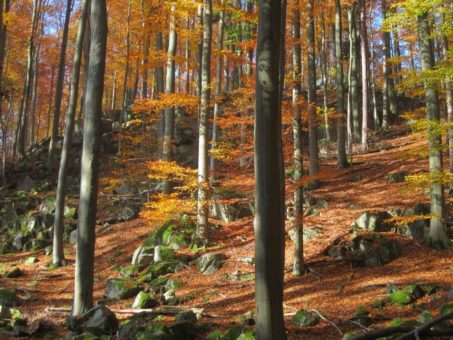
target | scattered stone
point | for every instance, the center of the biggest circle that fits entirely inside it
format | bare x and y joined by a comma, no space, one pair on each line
48,250
8,297
162,268
186,316
48,205
398,177
230,212
163,253
210,263
143,256
123,189
14,274
120,288
176,235
364,251
73,237
127,213
239,332
9,218
47,220
144,300
30,260
304,318
372,221
18,241
102,321
27,185
247,259
432,289
446,309
310,233
181,330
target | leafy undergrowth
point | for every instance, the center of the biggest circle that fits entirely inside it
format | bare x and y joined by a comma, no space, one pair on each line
333,287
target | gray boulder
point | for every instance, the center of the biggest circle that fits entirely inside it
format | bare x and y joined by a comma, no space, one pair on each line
143,256
127,213
210,263
73,237
186,316
121,288
99,321
144,300
9,218
374,221
27,185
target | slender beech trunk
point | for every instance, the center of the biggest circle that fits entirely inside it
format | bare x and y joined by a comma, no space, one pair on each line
34,94
167,150
354,84
86,237
282,71
112,104
312,117
146,47
449,103
59,88
324,77
125,102
187,55
218,92
58,229
437,236
365,77
298,266
158,89
49,110
377,122
269,178
199,56
388,87
203,191
341,121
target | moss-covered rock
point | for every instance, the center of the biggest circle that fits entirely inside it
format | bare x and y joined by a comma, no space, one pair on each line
162,268
210,263
144,300
8,297
304,318
121,288
401,297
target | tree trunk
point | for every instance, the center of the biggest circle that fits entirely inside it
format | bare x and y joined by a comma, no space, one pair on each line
218,93
49,110
377,122
167,150
365,80
84,271
59,88
269,178
449,103
58,252
125,103
203,193
312,117
34,94
341,124
324,77
298,266
199,51
354,85
437,236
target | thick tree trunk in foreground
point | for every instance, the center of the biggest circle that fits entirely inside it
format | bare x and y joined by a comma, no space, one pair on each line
341,121
203,135
269,178
83,281
437,236
298,266
167,150
57,252
59,88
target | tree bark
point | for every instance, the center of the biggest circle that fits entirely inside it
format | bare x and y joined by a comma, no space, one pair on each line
311,72
83,281
341,124
269,177
57,249
203,192
449,103
298,266
437,236
365,80
59,88
354,85
167,150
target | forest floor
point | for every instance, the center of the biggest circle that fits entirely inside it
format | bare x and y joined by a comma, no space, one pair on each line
333,288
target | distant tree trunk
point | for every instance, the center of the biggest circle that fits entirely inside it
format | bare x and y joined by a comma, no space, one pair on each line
169,88
218,93
298,266
354,85
324,77
112,104
199,56
437,236
188,56
269,178
125,103
86,62
59,88
341,124
57,249
365,80
388,88
159,88
449,103
84,271
49,110
34,94
312,117
282,71
377,122
21,131
146,47
203,191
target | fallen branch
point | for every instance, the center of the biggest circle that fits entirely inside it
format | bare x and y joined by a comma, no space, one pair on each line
411,332
329,322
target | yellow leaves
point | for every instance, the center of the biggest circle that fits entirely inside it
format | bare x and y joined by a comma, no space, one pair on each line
163,207
168,100
225,151
186,178
426,179
400,221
